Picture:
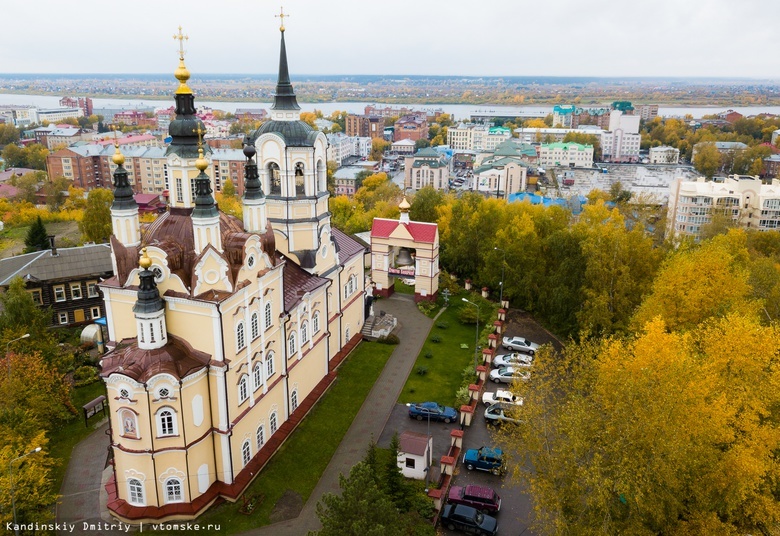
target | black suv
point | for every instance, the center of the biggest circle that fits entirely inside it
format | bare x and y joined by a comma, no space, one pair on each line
468,520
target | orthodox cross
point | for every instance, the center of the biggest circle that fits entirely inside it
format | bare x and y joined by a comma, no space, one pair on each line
180,37
281,16
200,132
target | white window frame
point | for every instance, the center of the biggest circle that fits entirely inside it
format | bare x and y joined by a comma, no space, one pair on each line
294,400
243,389
269,365
257,375
273,422
135,492
92,289
246,453
292,346
57,297
315,320
268,316
92,312
304,332
260,437
240,337
62,317
254,326
166,429
75,291
173,490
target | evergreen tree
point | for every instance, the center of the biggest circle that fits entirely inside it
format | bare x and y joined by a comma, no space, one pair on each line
37,238
394,479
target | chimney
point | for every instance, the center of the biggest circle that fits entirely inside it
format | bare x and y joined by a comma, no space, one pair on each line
52,246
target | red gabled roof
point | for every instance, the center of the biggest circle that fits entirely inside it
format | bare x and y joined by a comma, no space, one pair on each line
420,231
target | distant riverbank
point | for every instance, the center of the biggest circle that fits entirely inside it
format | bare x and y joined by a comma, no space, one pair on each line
458,111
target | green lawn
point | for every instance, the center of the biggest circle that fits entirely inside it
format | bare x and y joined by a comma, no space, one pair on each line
402,288
300,462
445,368
65,436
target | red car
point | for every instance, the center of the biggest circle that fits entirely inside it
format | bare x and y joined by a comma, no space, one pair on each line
480,498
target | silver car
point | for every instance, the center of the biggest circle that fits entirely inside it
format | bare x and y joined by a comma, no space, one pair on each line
520,344
508,375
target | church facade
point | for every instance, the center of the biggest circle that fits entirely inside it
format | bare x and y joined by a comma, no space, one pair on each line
222,329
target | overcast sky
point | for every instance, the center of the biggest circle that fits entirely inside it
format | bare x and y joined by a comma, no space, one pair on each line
724,38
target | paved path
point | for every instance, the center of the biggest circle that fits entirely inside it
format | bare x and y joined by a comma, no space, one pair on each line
81,488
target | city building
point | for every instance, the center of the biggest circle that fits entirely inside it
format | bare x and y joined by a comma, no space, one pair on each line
746,200
405,249
366,126
565,154
501,174
412,126
729,148
426,168
403,147
19,116
771,166
664,155
647,112
476,137
85,104
251,114
64,280
552,135
79,164
53,115
223,332
621,142
775,135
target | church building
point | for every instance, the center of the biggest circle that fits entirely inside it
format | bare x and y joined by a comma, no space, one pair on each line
223,332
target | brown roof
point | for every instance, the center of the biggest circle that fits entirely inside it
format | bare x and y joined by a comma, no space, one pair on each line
298,282
346,246
176,358
412,443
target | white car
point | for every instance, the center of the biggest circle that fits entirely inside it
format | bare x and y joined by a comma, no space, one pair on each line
499,413
508,375
513,360
520,344
501,395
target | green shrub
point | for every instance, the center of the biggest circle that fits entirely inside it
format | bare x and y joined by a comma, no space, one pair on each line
390,339
426,307
442,325
422,371
436,339
462,396
84,376
428,355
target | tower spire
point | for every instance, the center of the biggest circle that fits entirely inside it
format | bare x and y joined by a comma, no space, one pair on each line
123,193
149,309
205,207
284,96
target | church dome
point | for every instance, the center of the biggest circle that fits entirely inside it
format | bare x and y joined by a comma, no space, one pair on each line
294,133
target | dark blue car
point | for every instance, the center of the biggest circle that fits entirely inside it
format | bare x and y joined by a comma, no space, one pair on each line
432,410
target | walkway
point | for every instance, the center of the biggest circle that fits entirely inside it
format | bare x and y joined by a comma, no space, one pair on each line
81,488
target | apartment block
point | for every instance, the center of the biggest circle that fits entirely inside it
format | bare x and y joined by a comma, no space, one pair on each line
365,126
566,154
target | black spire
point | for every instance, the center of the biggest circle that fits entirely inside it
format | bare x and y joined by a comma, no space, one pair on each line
284,97
148,296
205,207
123,193
252,187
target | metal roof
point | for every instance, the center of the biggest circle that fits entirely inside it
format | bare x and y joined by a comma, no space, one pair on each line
67,263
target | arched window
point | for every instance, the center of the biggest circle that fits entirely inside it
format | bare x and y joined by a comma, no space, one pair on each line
243,389
135,493
246,453
173,490
240,339
255,326
273,423
292,347
304,332
268,315
294,400
275,178
269,365
346,334
315,322
257,375
141,331
166,422
300,188
260,437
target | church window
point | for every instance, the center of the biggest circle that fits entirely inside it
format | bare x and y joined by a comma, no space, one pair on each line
243,389
179,192
136,491
192,189
141,328
255,326
164,392
315,322
166,423
304,332
269,365
240,339
173,490
273,422
268,318
257,375
124,393
300,188
294,400
291,344
275,178
151,332
246,453
346,333
260,436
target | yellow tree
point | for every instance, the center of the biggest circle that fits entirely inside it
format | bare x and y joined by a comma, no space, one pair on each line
707,159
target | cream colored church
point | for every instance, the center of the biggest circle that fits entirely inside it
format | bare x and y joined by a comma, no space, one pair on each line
223,329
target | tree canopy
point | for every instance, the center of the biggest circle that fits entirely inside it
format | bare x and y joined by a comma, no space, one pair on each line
96,224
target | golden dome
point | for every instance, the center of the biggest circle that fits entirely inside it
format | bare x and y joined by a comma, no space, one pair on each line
404,206
118,157
145,261
201,163
182,74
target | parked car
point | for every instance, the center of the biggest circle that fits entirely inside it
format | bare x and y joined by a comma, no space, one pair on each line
485,459
482,498
520,344
432,410
501,395
508,375
500,412
515,359
468,519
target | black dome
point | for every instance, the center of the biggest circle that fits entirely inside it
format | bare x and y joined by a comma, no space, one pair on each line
294,133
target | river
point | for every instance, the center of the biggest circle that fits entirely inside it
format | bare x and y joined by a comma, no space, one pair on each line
458,111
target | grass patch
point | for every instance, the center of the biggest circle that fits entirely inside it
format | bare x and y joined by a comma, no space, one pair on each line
403,288
300,462
446,362
65,436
